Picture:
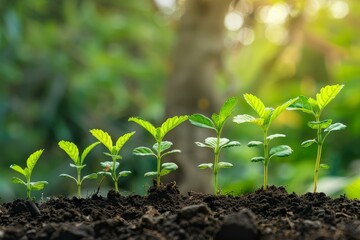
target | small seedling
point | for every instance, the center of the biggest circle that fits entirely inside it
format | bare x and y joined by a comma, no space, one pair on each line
72,150
266,117
315,107
216,122
114,150
26,172
160,147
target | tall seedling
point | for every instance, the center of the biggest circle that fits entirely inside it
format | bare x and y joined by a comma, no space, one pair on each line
315,107
73,152
265,117
216,123
113,153
159,148
27,171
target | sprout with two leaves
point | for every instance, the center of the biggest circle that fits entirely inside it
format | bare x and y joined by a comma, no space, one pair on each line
27,171
73,152
160,147
114,150
216,122
264,120
315,107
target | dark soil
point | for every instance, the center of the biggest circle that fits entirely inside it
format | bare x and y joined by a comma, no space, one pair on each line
166,214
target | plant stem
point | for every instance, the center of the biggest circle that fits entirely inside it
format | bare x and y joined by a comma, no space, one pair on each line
318,156
158,165
114,175
266,159
28,189
216,165
78,182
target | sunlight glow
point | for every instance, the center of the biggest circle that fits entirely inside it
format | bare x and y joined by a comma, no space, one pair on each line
233,21
339,9
167,6
277,34
276,14
246,36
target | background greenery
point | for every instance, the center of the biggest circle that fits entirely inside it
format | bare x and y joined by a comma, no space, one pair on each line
70,66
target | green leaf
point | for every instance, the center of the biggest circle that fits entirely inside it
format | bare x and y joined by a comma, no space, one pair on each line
244,118
90,176
327,94
205,165
254,143
164,145
320,125
170,152
226,110
308,143
18,169
77,166
231,144
143,151
280,151
150,174
170,166
277,135
33,158
37,186
335,127
225,165
68,176
18,181
256,104
103,137
113,156
280,109
122,140
170,124
145,124
104,173
324,166
71,150
124,173
202,121
109,165
257,159
302,104
86,151
200,144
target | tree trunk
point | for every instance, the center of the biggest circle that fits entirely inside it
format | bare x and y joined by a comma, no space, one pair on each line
191,87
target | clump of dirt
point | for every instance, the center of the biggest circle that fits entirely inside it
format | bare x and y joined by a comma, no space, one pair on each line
166,214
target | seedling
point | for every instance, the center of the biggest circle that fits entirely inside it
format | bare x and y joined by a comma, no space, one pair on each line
315,107
216,122
72,150
266,117
26,172
160,147
114,150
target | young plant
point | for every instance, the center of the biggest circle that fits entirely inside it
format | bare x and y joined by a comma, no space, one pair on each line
315,107
160,147
27,171
72,150
216,122
264,120
114,150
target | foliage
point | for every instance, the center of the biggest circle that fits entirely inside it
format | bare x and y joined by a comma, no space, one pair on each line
315,108
160,147
27,171
110,167
265,117
73,152
216,123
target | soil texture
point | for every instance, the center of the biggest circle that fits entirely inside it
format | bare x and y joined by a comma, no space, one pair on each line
166,214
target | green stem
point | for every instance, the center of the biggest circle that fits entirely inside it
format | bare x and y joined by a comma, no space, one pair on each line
216,165
28,189
318,156
78,183
158,164
114,175
266,159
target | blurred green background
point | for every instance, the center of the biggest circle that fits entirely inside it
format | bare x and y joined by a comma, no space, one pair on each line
70,66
